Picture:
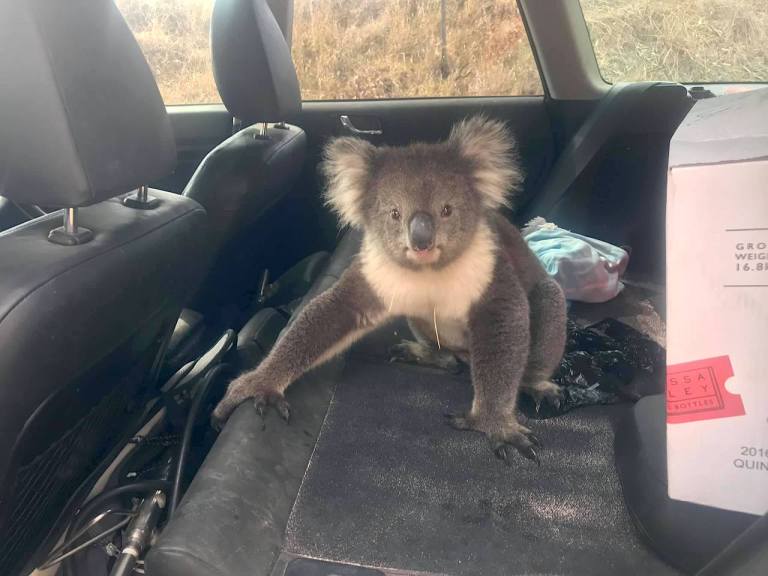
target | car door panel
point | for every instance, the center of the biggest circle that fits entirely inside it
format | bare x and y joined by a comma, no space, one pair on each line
424,119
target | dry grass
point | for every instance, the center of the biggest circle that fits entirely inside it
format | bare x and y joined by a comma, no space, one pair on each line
680,40
174,37
353,49
392,48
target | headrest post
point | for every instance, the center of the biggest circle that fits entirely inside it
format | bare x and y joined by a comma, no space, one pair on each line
70,234
141,200
262,130
70,221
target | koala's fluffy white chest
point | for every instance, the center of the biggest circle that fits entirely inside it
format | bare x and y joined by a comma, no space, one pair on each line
446,294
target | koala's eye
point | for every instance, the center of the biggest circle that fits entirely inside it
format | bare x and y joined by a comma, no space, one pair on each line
395,213
446,211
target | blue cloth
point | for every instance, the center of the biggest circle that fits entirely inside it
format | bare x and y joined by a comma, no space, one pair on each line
587,269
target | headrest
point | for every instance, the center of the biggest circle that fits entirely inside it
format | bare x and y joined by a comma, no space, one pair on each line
252,62
81,118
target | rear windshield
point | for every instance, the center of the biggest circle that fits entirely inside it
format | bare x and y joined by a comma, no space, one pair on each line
688,41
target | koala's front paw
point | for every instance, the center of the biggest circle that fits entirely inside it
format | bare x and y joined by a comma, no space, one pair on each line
264,398
501,434
246,387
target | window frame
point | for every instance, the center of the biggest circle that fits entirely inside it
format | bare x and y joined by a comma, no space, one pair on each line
563,49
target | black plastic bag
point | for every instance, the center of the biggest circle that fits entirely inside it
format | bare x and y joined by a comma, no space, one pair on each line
600,365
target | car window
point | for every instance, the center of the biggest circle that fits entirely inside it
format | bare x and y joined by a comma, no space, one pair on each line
375,49
174,35
354,49
690,41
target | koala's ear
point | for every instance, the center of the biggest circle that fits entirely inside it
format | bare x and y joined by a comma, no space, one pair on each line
347,166
492,151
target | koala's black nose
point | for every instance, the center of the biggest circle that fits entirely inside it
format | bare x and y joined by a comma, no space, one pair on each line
421,230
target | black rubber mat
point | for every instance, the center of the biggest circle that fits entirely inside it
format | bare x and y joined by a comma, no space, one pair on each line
390,485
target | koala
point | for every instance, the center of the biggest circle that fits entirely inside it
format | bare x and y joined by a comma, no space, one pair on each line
437,251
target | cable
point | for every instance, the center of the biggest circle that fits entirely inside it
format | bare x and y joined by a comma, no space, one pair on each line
137,487
179,375
186,372
138,534
92,505
186,439
186,375
87,543
70,541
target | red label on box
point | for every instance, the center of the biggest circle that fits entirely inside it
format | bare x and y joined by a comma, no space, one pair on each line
696,391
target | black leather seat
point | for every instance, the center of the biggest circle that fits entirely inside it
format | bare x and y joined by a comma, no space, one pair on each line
85,309
231,520
686,535
339,261
245,489
242,181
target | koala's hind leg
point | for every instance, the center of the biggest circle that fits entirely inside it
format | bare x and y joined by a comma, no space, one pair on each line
548,318
327,326
424,351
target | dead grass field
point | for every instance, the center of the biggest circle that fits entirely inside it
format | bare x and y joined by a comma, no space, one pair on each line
354,49
680,40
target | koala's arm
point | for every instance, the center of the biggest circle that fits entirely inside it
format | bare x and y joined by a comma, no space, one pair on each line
327,326
499,343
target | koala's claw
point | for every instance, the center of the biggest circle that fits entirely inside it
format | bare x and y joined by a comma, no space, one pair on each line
534,439
222,412
216,423
523,443
500,452
239,391
265,398
530,453
544,392
516,436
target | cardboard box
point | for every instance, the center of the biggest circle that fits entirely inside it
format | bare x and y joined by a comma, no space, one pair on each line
717,304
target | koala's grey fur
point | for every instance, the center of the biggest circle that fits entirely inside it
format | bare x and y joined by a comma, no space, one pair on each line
479,289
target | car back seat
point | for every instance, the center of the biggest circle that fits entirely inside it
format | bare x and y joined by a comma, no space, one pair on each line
342,257
244,490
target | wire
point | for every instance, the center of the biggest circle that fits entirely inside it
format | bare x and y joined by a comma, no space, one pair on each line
179,375
93,504
87,543
171,385
67,543
186,439
189,376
